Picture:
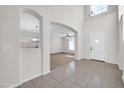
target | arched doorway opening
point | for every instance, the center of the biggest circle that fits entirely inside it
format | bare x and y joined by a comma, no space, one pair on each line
31,45
63,45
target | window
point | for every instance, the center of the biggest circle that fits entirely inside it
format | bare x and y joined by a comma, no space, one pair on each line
71,44
98,9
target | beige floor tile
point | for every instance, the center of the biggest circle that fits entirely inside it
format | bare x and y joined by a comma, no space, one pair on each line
78,74
73,77
28,84
94,85
96,82
51,81
61,59
82,82
67,84
60,78
40,83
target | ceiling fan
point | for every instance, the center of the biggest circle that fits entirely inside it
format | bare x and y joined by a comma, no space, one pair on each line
67,35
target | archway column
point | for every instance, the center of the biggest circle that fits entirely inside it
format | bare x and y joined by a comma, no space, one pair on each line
46,47
80,47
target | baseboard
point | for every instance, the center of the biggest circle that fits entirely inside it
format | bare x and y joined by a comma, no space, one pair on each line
112,62
61,52
23,81
46,73
14,86
120,67
56,53
123,78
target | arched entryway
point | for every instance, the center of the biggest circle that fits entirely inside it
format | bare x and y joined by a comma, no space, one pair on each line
63,44
31,45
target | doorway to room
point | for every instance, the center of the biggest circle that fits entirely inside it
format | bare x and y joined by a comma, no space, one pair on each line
62,45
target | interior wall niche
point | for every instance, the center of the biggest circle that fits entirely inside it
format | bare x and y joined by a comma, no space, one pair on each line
30,34
31,45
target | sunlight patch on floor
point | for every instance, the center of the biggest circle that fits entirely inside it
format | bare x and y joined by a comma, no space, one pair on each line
69,56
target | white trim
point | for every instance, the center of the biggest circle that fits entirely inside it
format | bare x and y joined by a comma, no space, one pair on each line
14,86
23,81
111,62
123,78
120,66
20,70
46,72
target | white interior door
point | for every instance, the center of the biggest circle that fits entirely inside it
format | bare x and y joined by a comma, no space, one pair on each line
97,45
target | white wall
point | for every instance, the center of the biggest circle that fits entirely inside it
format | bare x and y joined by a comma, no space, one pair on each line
29,22
121,39
10,64
9,46
55,43
107,23
65,46
58,42
31,63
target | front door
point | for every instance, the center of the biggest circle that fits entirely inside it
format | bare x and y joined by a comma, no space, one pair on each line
97,45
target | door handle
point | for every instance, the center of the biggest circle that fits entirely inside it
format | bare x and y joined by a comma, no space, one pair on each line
91,48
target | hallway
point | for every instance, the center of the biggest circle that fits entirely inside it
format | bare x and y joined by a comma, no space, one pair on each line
80,74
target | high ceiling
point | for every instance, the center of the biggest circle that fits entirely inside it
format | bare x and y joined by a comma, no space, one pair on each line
29,22
60,30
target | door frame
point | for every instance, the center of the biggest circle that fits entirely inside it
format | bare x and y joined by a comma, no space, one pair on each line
105,44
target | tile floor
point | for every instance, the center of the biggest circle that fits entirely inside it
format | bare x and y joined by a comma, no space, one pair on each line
59,59
80,74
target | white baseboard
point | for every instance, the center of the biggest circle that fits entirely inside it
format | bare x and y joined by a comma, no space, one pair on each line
30,78
120,67
46,73
23,81
14,86
56,52
123,78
